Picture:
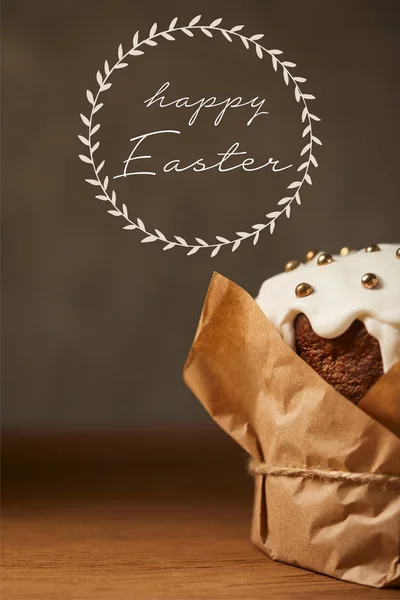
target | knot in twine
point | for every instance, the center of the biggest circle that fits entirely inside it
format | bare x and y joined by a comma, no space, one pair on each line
261,468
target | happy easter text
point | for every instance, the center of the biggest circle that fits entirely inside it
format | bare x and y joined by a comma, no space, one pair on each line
230,160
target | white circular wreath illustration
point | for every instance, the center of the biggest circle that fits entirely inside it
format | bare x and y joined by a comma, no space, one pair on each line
283,205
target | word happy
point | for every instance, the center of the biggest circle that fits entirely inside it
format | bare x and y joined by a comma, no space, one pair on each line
207,103
233,158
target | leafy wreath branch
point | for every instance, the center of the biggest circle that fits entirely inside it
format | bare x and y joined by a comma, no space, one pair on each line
283,205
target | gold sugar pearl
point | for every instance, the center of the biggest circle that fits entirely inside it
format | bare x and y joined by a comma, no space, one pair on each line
370,281
345,251
311,254
373,248
324,259
398,253
303,289
292,265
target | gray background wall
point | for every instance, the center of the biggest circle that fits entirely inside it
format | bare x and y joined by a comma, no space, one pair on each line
96,326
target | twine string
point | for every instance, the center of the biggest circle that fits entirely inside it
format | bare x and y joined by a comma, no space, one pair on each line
262,468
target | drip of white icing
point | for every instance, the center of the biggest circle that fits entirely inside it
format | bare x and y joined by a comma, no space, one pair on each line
339,298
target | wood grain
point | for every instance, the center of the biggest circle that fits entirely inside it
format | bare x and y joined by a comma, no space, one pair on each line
142,516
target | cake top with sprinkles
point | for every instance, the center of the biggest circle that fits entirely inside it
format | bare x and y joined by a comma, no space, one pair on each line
335,290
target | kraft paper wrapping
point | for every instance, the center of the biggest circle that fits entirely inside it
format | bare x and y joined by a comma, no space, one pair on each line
285,415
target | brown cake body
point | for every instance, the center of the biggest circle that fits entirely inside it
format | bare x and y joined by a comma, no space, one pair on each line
351,363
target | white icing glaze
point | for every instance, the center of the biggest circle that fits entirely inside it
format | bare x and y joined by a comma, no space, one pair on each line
339,298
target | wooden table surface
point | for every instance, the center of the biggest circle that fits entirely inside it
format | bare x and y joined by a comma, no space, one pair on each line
147,515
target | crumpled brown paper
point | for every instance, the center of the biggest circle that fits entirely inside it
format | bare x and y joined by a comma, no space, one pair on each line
284,414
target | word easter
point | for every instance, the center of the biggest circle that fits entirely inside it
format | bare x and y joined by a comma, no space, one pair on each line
199,165
207,103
